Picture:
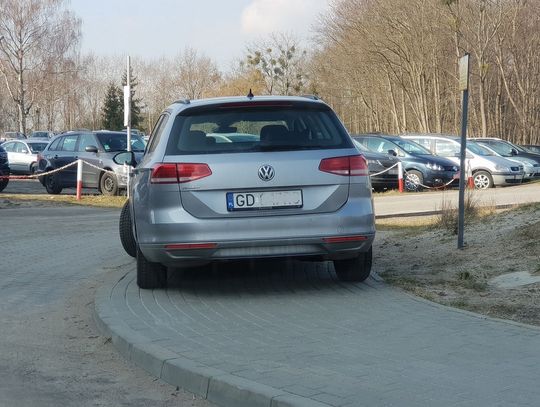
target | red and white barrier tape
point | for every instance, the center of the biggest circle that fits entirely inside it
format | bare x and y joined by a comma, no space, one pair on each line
44,174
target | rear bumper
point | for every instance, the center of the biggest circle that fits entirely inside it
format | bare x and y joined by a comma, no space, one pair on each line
254,237
249,249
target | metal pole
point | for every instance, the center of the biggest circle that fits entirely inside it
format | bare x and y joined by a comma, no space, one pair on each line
464,84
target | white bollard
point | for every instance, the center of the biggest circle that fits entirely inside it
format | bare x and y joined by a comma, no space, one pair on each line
400,176
79,179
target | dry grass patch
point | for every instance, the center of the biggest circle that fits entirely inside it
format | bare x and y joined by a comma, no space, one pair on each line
423,259
41,199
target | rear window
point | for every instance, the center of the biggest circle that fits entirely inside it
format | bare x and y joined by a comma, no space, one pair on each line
256,129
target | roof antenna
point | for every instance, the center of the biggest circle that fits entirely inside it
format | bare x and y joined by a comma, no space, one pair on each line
250,94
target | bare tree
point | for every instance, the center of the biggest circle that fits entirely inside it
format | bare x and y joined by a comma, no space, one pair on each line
35,36
196,76
281,62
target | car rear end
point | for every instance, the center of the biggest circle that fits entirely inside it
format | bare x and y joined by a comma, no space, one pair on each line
298,189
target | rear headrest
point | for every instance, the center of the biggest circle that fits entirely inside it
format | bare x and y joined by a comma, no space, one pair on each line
274,134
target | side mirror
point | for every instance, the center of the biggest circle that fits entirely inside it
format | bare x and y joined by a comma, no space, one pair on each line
91,149
514,152
392,152
125,157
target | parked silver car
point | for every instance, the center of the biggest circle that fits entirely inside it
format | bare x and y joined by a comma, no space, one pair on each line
22,154
487,169
298,189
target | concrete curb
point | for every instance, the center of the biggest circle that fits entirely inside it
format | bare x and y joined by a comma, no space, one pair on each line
219,387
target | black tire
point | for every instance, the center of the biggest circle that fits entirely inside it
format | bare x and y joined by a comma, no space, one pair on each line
356,269
109,184
33,168
482,180
150,275
126,231
52,184
412,181
3,182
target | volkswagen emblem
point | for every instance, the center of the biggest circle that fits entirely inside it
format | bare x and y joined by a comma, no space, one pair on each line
266,172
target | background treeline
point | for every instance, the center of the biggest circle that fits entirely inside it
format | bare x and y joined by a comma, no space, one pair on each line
383,65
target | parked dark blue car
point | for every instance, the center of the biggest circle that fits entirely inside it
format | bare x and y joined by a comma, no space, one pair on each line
420,165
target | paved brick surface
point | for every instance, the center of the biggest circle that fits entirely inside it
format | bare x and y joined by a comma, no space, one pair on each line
292,327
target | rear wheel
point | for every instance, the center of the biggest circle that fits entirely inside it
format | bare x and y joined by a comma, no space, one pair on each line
413,181
109,184
357,269
482,180
52,184
150,275
126,231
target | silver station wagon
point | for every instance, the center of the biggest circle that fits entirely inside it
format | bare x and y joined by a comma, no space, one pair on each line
248,177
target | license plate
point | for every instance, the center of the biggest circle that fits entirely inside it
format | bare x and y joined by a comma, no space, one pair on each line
241,201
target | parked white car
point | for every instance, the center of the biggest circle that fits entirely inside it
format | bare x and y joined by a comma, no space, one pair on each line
488,170
22,154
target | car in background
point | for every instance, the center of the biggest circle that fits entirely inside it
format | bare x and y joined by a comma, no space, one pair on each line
488,170
420,165
12,135
299,189
42,134
383,168
22,154
531,168
507,148
96,148
4,168
531,148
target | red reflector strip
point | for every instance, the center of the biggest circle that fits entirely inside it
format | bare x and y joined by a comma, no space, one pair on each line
344,239
183,246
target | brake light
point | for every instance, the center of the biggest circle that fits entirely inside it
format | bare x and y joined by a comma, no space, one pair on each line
169,173
353,165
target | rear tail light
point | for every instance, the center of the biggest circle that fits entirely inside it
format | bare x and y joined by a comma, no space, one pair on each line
352,165
169,173
164,174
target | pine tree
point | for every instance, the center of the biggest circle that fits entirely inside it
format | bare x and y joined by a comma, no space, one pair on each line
136,118
113,112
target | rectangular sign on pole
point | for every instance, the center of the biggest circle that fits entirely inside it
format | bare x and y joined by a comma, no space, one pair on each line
464,72
127,105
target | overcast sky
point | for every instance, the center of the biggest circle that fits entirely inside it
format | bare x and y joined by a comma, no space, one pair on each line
220,29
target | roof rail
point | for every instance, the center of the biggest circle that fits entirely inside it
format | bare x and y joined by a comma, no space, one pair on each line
183,101
313,97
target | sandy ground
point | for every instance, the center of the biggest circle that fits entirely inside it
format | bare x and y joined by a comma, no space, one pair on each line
425,261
